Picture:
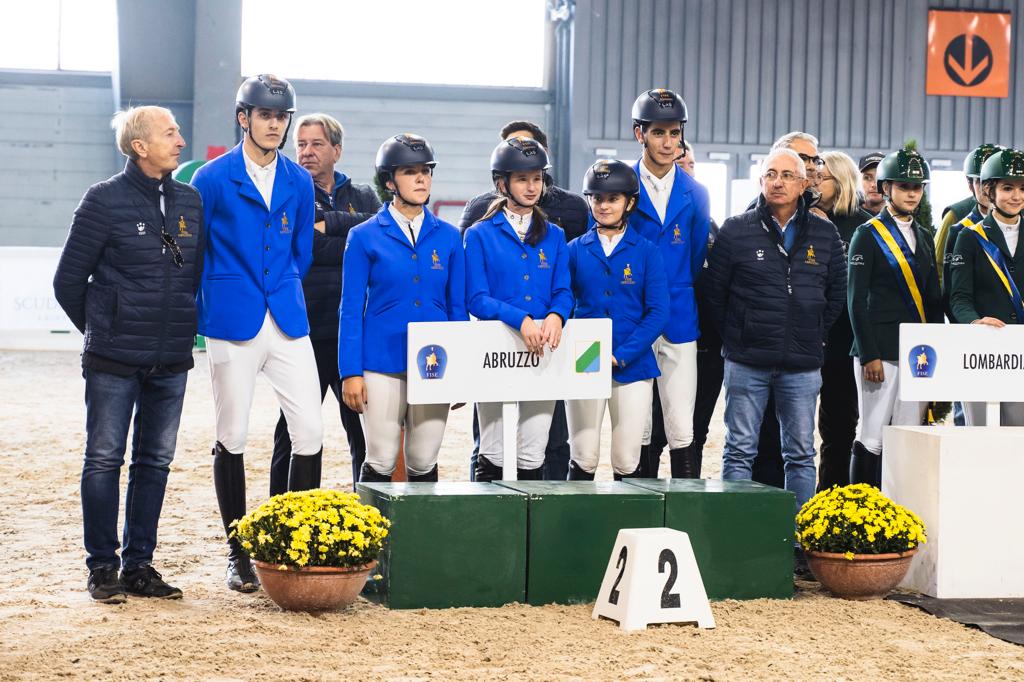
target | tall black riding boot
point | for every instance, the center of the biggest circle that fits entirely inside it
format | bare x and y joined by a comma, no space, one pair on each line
485,470
429,477
637,473
697,456
683,462
367,474
304,472
865,466
530,474
229,483
644,466
576,473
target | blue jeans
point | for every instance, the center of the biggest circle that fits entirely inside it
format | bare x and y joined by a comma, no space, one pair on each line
796,393
156,398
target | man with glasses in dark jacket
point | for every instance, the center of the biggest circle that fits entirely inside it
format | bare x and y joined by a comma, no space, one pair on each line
127,278
340,205
776,283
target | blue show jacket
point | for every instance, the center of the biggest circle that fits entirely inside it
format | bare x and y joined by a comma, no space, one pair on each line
255,257
682,240
509,280
386,284
629,287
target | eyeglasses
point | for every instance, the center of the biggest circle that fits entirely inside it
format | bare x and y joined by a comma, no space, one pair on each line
786,176
169,243
816,160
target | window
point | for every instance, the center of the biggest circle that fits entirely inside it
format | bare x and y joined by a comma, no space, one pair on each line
69,35
714,176
460,42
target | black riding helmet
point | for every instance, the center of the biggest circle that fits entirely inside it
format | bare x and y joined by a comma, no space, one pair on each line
407,149
269,92
611,176
658,105
903,165
517,155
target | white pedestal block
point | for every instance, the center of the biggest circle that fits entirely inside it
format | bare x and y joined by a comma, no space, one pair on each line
965,484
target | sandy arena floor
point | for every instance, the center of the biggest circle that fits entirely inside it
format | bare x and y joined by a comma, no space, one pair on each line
50,629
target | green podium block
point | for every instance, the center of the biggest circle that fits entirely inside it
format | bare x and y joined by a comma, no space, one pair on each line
572,528
741,532
451,544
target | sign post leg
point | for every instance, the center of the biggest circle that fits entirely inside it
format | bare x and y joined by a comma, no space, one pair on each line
992,417
509,437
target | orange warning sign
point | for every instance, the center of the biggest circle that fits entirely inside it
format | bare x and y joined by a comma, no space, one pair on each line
968,53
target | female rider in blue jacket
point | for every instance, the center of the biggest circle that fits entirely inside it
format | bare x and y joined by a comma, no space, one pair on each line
517,272
617,273
403,265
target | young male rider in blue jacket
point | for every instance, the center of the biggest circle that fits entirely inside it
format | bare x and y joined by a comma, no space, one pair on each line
674,213
259,209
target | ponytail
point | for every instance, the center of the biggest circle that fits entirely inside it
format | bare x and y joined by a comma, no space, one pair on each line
538,220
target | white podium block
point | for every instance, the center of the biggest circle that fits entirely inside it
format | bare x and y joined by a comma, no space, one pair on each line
652,577
964,483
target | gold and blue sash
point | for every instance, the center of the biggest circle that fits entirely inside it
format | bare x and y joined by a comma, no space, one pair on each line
901,260
998,263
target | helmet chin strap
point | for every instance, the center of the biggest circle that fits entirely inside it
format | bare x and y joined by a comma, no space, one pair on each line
1003,214
248,131
511,197
897,213
398,195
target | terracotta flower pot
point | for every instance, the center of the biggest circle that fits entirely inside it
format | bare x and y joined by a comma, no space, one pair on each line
314,588
866,576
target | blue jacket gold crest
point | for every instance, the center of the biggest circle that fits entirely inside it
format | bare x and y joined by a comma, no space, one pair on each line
682,240
629,286
387,283
508,279
255,257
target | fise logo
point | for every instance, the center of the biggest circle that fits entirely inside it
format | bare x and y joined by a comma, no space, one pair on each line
588,357
922,361
432,361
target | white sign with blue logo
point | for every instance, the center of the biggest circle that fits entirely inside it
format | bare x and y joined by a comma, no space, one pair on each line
486,361
968,362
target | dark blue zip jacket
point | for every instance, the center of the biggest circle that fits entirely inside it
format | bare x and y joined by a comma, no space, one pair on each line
774,309
344,208
116,279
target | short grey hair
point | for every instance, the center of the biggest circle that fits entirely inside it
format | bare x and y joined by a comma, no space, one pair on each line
785,151
786,141
134,124
332,128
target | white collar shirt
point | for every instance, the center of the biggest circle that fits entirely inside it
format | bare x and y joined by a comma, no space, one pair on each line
520,223
1010,234
262,176
907,230
658,189
410,228
609,243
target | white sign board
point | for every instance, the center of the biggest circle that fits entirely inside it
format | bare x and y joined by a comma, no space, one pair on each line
652,577
487,362
968,362
26,290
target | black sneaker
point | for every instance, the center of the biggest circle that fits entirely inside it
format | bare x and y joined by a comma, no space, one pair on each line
144,581
104,586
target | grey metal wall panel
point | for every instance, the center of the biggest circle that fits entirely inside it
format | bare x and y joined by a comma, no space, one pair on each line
55,141
463,135
851,72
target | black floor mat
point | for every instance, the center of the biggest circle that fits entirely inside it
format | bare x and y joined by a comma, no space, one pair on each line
1001,618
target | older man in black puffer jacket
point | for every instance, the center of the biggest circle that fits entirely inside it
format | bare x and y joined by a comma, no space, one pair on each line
127,278
776,283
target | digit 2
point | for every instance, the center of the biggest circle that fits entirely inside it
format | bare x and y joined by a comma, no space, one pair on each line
669,599
620,563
